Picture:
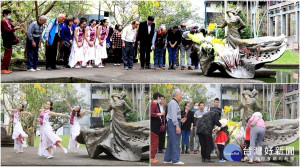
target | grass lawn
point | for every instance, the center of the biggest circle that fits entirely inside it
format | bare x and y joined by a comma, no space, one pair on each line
289,57
65,141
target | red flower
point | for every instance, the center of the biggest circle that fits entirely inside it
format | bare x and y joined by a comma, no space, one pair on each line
259,47
248,52
244,50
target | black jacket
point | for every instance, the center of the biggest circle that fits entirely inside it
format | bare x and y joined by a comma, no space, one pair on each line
188,123
143,36
208,121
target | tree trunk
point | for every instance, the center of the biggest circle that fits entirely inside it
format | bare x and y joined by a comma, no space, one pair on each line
31,136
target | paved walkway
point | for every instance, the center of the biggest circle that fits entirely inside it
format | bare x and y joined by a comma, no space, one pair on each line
30,158
117,74
195,160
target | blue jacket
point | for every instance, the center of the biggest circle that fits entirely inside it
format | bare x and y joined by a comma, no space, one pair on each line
50,31
65,34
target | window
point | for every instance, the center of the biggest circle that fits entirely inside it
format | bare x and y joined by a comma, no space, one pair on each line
106,14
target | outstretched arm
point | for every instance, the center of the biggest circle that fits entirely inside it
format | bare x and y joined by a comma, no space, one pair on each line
25,112
10,113
58,114
69,107
84,112
127,107
243,25
223,25
108,109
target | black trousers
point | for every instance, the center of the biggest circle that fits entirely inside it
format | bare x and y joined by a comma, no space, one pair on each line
206,144
51,52
118,55
162,138
145,55
66,53
221,149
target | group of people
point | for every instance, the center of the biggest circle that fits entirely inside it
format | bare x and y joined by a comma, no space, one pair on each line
196,126
48,139
85,44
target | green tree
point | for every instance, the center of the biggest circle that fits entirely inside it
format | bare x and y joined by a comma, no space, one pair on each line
34,96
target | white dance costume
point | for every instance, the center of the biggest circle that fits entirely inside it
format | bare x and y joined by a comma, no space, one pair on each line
18,132
47,137
101,50
89,52
77,52
75,131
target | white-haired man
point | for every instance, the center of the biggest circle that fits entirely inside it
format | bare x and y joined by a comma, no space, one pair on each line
159,44
172,154
33,42
52,38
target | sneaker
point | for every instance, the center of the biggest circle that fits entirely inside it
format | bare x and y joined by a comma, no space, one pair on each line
101,66
77,66
115,64
126,68
19,152
37,69
65,150
222,160
167,162
31,70
89,66
50,157
153,160
178,163
118,64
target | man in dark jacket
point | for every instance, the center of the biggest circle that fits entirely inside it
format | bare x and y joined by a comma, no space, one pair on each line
204,131
144,38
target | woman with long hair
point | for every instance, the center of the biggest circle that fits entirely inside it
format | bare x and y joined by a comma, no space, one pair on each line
102,33
89,45
18,134
48,139
75,113
77,56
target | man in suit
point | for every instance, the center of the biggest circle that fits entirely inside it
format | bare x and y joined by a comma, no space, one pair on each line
144,38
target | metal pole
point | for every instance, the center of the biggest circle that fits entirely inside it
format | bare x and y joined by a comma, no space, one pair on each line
91,119
205,15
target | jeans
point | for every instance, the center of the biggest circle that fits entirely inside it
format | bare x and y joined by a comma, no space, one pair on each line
221,149
128,54
256,135
173,146
158,56
172,52
185,138
194,145
183,50
206,144
51,52
32,53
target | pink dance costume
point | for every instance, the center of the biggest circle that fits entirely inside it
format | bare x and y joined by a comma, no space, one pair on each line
101,50
18,132
47,137
75,131
89,52
77,52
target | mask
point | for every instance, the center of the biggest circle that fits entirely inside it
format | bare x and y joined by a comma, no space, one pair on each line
196,108
119,30
158,101
8,17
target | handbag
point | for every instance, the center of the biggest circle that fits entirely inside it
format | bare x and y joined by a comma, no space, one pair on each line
162,128
66,44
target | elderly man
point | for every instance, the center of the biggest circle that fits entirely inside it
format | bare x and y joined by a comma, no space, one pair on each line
159,44
33,43
174,130
52,38
128,40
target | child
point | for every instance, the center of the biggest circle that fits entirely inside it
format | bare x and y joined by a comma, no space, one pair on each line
247,141
222,137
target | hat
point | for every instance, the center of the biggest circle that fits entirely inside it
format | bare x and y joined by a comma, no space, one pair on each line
223,121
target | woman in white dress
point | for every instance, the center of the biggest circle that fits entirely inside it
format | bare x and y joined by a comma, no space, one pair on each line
48,139
75,127
89,45
100,45
18,134
77,56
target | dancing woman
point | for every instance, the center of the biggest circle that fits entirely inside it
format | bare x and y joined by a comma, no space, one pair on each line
48,139
18,134
75,127
100,45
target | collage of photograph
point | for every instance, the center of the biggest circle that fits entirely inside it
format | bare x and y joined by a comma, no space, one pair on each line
150,82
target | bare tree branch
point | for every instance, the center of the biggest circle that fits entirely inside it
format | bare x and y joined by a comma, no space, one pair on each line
49,8
36,10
